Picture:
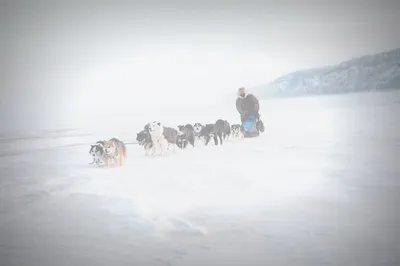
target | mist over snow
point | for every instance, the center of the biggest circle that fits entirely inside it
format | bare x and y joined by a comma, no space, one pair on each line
64,62
319,187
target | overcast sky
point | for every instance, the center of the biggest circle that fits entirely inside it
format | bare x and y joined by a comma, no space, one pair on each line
64,60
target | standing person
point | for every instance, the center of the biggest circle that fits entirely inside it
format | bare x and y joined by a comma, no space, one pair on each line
248,107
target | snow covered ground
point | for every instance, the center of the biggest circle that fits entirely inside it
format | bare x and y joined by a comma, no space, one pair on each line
320,187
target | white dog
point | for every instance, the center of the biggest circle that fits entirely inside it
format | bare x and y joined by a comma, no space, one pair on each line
160,143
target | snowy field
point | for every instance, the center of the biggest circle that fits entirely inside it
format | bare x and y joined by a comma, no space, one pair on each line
320,187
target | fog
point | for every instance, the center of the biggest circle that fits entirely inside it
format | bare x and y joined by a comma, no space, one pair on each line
66,62
318,187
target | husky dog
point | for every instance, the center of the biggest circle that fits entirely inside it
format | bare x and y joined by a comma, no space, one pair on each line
237,132
160,143
188,134
144,139
219,131
97,152
208,132
182,141
171,136
114,150
198,127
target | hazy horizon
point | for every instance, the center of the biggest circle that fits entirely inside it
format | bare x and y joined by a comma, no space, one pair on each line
71,60
318,186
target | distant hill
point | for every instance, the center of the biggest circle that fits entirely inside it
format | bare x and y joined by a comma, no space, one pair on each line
367,73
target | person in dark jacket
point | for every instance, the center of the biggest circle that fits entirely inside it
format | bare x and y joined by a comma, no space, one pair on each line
248,107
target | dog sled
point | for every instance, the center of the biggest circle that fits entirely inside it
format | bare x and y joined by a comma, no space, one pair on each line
252,126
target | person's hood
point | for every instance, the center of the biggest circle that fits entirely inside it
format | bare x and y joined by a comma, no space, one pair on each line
242,93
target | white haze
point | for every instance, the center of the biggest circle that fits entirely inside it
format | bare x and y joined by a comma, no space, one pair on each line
67,62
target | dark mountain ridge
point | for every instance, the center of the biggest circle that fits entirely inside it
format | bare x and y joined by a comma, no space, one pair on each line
367,73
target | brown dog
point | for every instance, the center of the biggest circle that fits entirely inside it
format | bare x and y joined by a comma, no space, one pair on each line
114,150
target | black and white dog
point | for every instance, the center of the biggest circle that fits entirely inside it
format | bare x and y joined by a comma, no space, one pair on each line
144,139
237,132
220,131
171,135
197,128
97,153
208,133
186,135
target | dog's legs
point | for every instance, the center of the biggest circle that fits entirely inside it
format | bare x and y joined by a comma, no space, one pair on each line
156,147
215,139
161,146
185,144
173,147
220,138
121,160
152,149
116,160
207,140
192,141
165,146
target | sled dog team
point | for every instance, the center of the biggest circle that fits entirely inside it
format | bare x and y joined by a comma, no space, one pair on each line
157,139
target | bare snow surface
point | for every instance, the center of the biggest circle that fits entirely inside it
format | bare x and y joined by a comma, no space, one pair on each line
320,187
